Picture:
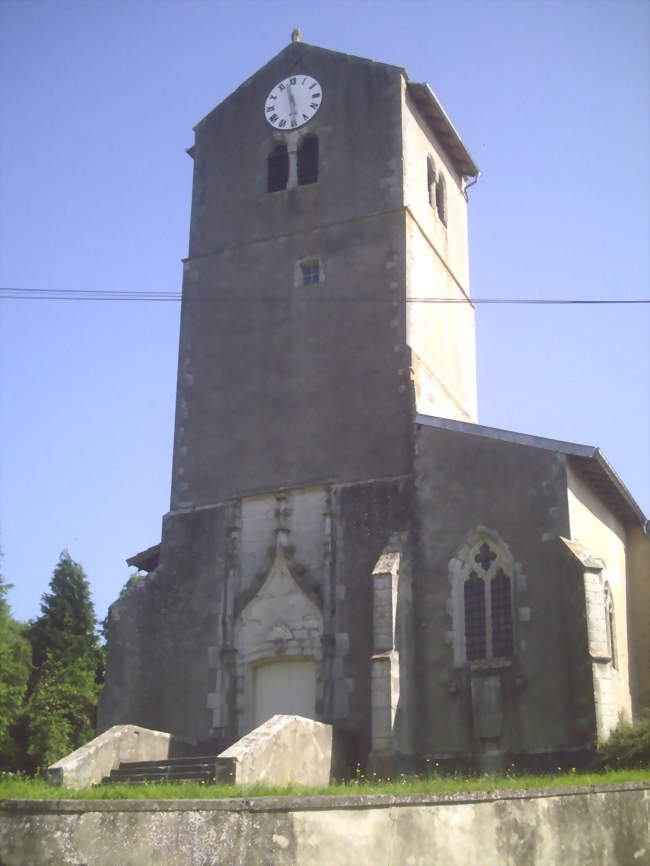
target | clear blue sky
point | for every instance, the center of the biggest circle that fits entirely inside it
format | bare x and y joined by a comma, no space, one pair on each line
98,103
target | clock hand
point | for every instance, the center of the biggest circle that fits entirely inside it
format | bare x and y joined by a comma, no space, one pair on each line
292,102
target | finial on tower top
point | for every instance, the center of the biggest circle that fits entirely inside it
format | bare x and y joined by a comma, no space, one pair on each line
296,34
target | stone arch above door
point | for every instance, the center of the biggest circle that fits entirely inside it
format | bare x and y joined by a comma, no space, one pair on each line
280,625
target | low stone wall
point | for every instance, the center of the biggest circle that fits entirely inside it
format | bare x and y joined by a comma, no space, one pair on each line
601,827
89,764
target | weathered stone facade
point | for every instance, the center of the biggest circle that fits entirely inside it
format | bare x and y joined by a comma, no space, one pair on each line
345,542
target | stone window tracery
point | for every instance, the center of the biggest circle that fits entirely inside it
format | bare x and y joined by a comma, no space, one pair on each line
488,609
482,576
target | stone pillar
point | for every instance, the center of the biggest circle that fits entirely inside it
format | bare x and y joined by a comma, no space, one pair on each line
390,662
600,646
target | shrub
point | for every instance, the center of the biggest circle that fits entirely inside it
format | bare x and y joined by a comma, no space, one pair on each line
628,746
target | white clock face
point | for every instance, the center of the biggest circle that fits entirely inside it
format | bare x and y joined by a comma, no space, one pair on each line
293,102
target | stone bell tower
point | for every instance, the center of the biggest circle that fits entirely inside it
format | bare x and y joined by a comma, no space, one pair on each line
328,217
328,204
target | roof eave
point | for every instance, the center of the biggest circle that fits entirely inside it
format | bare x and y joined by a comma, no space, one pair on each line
590,461
628,504
431,109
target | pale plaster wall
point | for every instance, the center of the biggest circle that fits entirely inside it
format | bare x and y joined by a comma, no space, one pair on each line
419,141
442,336
517,828
638,572
602,535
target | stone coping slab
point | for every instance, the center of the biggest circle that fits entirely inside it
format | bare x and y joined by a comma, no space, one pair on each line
309,803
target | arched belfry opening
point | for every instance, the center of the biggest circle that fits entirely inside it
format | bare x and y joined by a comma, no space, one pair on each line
308,160
277,167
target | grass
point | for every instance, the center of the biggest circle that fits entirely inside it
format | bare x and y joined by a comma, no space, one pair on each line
17,787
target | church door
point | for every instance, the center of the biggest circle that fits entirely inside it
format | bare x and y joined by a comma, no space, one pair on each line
286,687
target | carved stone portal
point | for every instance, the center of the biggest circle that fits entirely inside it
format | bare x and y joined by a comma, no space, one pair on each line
278,647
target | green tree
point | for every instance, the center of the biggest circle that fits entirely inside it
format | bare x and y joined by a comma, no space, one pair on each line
15,657
62,710
65,630
68,668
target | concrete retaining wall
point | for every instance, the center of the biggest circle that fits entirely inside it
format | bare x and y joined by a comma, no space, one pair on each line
602,827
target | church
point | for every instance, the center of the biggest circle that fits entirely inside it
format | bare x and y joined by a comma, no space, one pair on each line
345,541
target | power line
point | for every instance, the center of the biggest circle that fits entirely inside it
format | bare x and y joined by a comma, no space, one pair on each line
153,296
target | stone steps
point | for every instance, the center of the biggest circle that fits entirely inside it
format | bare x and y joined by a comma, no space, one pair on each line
195,769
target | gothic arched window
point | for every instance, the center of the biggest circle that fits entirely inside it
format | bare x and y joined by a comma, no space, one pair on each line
483,583
308,160
277,169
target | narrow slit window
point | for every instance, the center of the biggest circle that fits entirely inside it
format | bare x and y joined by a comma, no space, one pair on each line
475,632
278,169
308,160
310,272
441,199
431,182
610,625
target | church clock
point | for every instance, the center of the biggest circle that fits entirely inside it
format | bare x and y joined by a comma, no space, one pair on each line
293,101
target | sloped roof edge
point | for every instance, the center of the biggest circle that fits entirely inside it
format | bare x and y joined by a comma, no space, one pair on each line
145,560
426,100
589,460
294,48
431,109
